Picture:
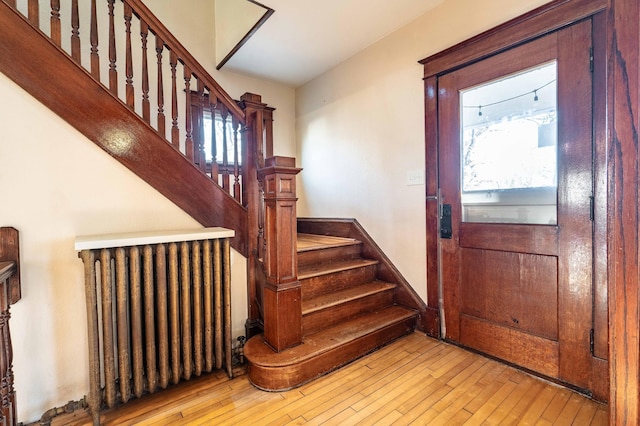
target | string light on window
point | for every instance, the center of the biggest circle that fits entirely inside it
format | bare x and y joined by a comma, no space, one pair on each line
533,92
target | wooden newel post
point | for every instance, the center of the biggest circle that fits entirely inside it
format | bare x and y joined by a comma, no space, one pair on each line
282,292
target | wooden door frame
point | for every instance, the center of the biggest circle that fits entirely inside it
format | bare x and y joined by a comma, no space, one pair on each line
616,133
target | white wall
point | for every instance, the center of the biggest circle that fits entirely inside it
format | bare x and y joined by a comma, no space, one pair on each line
360,129
56,185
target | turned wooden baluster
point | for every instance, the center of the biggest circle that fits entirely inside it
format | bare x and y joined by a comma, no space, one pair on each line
146,106
175,131
113,74
161,118
188,147
224,114
198,124
93,38
214,145
56,31
237,193
130,95
75,31
34,12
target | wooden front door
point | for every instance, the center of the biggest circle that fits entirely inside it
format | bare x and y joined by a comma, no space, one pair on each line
516,257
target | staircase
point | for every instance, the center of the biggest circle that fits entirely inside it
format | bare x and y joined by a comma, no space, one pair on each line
334,299
347,312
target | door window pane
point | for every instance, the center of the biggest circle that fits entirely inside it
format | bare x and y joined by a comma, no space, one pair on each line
509,170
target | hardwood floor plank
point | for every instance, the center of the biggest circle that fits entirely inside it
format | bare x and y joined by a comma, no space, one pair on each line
523,405
381,402
415,380
281,421
538,406
501,412
492,403
601,418
455,401
556,405
459,378
570,410
324,412
420,404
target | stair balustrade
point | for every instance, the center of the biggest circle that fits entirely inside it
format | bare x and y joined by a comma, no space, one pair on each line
148,69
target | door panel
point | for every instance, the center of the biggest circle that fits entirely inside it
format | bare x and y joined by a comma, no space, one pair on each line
517,290
523,292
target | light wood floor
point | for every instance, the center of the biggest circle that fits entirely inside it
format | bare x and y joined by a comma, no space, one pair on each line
415,380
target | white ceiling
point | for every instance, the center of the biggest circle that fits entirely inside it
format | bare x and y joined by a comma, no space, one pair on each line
305,38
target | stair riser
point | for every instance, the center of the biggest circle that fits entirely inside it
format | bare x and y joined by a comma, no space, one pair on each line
288,377
328,283
330,316
311,257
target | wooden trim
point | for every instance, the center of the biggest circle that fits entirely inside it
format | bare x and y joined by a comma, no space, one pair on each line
623,58
545,361
248,35
524,238
527,27
432,327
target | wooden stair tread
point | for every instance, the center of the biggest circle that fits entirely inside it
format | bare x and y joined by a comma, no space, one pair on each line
325,340
307,242
335,298
331,267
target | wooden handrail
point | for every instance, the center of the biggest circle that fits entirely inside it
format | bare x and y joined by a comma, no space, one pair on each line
158,28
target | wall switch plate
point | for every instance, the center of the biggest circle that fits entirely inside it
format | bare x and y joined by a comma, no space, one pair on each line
415,177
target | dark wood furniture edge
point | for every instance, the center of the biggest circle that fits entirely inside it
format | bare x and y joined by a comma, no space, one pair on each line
405,294
10,262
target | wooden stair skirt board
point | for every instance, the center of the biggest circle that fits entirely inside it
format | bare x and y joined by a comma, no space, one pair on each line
347,312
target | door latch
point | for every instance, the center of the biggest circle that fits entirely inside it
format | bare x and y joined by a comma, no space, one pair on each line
445,221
